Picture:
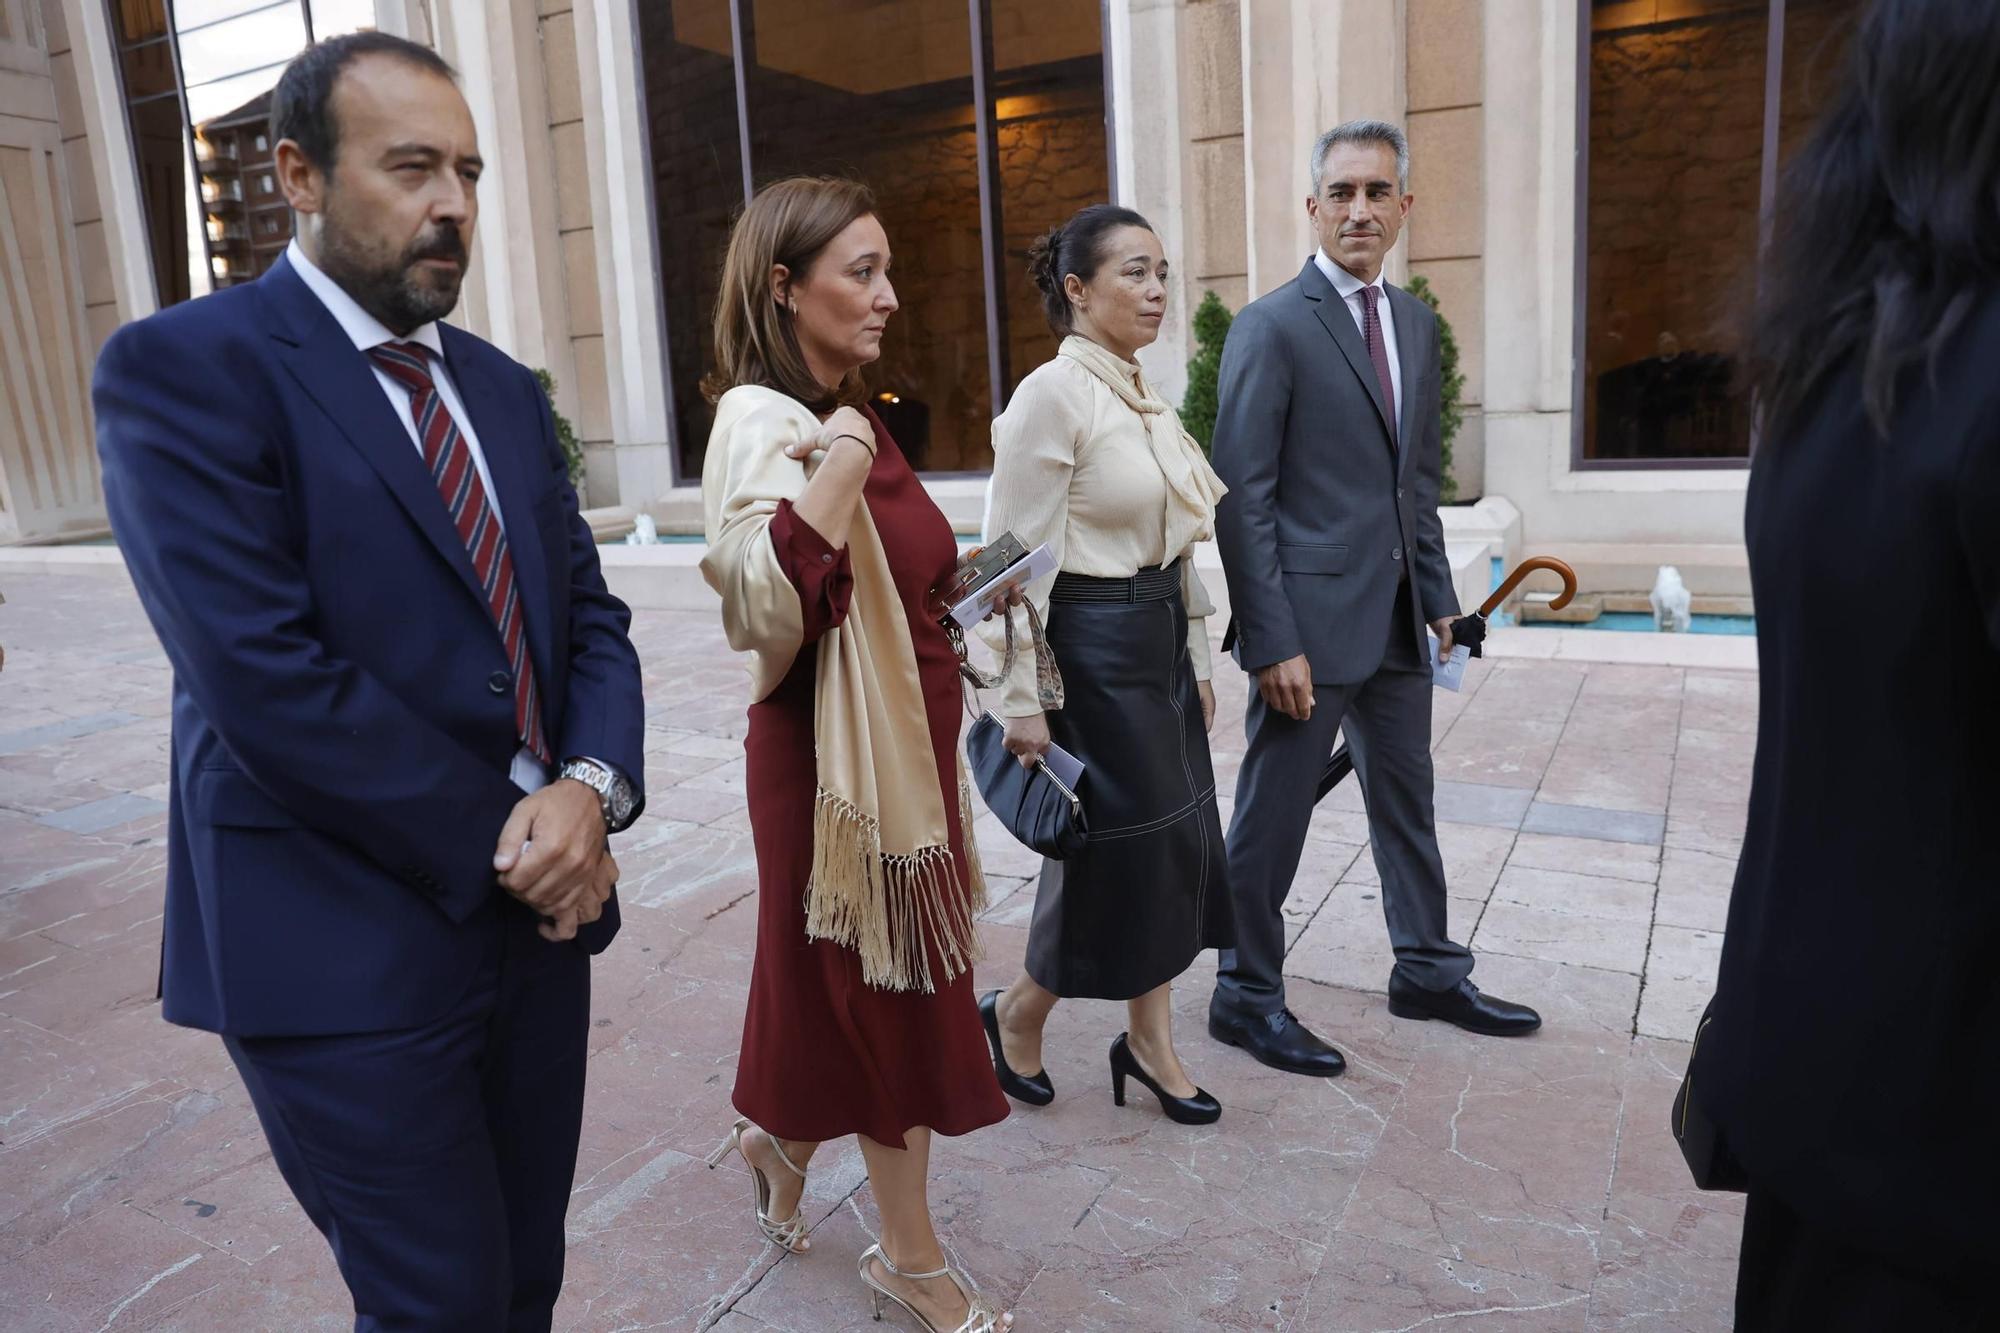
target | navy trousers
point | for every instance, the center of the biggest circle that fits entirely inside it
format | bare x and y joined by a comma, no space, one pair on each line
438,1160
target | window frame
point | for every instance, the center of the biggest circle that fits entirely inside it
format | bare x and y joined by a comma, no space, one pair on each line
1767,183
172,39
743,48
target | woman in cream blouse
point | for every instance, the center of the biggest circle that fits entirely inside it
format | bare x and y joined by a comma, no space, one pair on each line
1089,460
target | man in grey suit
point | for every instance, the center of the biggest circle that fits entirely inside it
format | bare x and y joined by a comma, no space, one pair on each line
1327,435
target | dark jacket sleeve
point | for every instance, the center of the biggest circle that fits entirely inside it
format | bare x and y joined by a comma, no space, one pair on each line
604,713
1434,585
197,496
1253,401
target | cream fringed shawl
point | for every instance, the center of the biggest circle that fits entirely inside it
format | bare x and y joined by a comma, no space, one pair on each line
884,881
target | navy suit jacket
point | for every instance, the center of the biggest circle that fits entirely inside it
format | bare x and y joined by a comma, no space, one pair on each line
342,721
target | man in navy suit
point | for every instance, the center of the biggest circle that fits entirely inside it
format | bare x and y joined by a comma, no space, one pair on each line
406,714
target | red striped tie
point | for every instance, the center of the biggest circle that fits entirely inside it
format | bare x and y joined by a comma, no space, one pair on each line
449,458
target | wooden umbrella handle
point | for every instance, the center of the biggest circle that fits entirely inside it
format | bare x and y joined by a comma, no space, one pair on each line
1534,562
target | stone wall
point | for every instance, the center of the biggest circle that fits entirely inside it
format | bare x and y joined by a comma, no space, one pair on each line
1214,220
1445,238
587,401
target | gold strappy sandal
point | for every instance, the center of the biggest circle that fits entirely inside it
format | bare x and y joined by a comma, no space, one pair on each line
980,1317
788,1233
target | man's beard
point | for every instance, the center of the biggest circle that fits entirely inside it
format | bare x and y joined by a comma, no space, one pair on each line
391,292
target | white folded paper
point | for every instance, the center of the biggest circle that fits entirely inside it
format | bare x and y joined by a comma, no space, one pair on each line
1449,675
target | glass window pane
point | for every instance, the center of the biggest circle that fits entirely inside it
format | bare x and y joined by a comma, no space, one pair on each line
1676,151
136,20
148,70
247,221
690,84
885,95
191,14
330,18
253,41
160,153
1817,34
1048,58
226,98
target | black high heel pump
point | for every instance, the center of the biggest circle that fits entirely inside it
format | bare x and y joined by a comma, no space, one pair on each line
1200,1109
1034,1089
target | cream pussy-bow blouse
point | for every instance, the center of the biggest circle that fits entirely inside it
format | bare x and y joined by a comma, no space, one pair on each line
1089,460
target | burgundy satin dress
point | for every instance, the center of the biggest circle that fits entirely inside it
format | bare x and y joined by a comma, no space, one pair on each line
825,1055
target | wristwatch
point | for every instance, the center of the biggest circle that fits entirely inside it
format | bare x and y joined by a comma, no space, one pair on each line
614,790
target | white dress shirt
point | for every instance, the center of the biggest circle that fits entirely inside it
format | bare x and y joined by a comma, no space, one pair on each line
1349,288
366,332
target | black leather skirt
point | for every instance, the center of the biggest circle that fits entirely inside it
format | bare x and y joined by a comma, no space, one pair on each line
1150,889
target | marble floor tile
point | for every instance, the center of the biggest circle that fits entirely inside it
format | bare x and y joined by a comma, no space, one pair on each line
1585,821
1587,856
1562,937
1695,888
1608,778
1497,751
1444,1181
1583,895
1680,980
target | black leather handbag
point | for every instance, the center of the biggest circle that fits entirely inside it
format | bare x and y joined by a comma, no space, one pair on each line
1700,1138
1032,802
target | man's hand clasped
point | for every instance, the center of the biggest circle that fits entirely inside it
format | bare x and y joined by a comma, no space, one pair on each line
554,856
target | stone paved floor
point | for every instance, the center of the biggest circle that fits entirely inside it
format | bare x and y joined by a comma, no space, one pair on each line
1591,818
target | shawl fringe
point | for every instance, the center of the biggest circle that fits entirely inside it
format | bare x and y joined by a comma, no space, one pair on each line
893,910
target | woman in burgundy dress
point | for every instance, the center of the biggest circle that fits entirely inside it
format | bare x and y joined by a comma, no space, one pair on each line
826,551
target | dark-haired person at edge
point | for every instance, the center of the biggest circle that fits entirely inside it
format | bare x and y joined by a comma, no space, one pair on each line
829,556
1088,459
1849,1062
405,710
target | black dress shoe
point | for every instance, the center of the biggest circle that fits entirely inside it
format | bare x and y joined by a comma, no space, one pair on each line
1278,1040
1034,1089
1463,1006
1200,1109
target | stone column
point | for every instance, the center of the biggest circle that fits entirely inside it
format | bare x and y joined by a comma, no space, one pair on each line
68,207
1306,68
1446,236
623,240
514,293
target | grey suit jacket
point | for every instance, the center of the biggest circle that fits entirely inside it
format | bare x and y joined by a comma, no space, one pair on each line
1323,509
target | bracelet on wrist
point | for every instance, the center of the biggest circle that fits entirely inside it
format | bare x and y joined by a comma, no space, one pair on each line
858,440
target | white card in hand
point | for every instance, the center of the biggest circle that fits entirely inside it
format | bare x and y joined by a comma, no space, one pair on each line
1451,674
1066,766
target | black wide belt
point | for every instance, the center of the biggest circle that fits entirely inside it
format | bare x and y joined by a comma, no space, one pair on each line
1148,585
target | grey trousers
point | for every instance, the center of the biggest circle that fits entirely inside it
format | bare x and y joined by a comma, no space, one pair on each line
1388,727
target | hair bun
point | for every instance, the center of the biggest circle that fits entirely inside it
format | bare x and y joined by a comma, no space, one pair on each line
1042,261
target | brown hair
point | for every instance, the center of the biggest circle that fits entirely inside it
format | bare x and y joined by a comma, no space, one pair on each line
788,222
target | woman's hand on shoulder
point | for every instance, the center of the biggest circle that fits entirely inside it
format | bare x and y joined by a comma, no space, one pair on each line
1027,737
846,422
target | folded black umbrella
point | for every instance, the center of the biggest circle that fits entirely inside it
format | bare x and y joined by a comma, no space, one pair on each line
1470,631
